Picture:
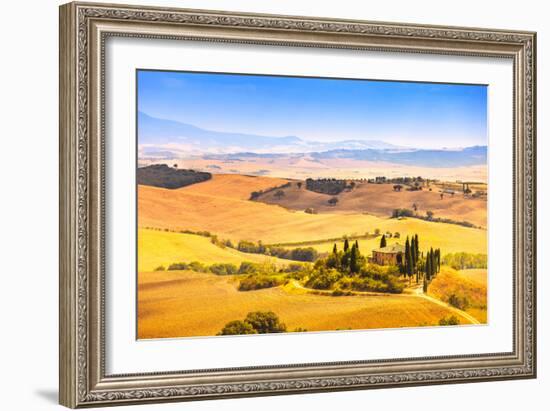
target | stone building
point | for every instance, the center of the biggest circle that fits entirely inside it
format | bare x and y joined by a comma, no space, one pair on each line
389,255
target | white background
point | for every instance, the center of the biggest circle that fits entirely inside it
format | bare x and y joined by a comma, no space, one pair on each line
125,355
28,205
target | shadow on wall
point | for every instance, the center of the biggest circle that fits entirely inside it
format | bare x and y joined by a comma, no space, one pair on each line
50,395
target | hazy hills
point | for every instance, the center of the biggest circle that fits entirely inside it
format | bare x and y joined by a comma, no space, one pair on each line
168,139
155,131
468,156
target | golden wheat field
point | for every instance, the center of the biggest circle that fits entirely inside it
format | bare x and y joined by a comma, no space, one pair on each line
185,303
216,207
469,284
160,248
450,244
382,199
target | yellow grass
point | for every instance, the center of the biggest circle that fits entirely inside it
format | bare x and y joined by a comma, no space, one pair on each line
239,219
382,199
184,303
160,248
426,241
234,186
471,284
475,274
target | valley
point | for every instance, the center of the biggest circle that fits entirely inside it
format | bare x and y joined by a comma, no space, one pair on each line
205,222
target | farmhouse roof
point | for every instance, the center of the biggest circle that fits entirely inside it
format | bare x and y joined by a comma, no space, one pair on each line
391,249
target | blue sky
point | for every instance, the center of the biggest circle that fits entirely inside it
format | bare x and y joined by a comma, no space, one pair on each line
422,115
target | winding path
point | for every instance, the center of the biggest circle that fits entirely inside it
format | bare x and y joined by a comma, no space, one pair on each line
415,292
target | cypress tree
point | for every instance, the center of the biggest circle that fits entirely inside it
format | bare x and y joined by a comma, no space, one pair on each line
425,285
346,245
410,266
413,254
428,266
416,248
383,241
345,255
357,245
334,249
353,263
407,257
432,263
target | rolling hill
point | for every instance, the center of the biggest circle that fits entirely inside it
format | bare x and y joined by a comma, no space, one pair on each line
219,206
160,175
185,303
464,285
160,248
381,200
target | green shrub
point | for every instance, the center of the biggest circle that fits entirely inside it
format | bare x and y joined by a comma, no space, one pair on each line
223,269
264,322
294,268
257,322
390,284
258,281
247,267
237,327
247,247
402,212
323,278
198,267
160,268
178,266
304,254
457,301
451,320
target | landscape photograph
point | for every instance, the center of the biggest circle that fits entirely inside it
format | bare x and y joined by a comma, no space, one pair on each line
284,204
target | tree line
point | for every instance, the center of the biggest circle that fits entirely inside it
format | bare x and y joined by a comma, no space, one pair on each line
298,254
463,261
429,216
330,186
245,267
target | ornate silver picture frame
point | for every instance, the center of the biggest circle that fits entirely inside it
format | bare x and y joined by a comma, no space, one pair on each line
84,30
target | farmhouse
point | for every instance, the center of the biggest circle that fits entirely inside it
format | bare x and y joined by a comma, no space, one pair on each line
389,255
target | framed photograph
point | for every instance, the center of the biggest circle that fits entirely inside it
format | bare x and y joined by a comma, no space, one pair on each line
260,205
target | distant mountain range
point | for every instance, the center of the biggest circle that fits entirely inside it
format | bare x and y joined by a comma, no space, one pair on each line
168,139
155,131
468,156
